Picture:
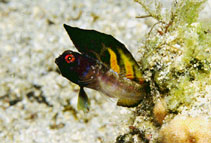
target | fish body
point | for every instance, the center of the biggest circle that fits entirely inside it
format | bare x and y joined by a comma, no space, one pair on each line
117,86
103,64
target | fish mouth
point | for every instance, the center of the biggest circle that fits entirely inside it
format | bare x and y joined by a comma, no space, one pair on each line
57,61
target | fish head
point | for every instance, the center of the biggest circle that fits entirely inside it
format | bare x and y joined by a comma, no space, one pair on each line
79,68
68,62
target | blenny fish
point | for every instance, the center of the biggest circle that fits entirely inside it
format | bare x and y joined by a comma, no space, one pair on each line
103,64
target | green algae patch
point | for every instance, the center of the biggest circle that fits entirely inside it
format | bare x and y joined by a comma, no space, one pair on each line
177,53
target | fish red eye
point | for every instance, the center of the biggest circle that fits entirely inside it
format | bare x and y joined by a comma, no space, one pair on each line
69,58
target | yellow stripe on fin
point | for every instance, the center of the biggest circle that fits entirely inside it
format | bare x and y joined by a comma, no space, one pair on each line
139,75
113,61
128,66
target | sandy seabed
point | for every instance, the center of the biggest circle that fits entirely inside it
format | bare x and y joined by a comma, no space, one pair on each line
33,96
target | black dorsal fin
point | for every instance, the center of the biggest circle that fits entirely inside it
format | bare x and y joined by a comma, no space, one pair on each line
106,49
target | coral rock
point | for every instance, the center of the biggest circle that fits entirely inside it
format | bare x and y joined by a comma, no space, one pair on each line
186,130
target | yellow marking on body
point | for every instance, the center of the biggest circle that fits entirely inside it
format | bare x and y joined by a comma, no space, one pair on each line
128,65
113,61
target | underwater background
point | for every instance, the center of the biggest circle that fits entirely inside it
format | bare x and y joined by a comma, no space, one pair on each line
172,45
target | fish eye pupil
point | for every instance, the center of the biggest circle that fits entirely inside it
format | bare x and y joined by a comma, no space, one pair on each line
69,58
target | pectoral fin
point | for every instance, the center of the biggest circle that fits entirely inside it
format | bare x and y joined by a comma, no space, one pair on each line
125,102
83,101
